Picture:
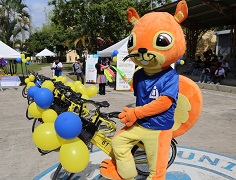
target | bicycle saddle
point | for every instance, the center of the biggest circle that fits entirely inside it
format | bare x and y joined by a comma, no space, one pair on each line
103,104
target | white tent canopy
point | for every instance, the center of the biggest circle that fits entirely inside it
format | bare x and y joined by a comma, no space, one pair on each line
46,52
7,52
121,47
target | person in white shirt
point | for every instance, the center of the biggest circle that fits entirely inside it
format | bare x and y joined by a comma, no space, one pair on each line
57,67
218,76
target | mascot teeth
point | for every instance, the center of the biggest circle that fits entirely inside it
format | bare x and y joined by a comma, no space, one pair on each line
145,62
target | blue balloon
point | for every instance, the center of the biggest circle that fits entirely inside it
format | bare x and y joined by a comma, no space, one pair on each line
31,91
43,97
19,60
68,125
27,63
114,53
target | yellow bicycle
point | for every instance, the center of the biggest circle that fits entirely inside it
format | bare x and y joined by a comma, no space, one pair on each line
97,129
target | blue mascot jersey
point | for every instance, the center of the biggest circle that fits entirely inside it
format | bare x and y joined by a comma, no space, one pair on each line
148,88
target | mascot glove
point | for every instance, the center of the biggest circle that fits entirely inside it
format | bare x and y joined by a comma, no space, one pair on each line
128,116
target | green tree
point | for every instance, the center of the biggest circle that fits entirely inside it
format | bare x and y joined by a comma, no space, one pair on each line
49,36
96,24
14,21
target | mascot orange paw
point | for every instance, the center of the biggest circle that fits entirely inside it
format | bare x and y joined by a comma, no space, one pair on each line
128,116
108,170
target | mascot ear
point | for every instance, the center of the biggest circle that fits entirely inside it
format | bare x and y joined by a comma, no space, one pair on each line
132,16
181,12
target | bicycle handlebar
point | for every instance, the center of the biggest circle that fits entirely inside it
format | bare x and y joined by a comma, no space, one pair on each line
77,97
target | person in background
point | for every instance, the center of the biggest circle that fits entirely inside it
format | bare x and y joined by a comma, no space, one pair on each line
205,75
226,67
79,70
53,71
221,58
218,76
101,79
57,67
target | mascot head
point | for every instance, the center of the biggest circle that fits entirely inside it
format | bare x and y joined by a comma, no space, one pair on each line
157,39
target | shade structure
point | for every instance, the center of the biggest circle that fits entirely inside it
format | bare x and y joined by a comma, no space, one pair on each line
45,52
7,52
121,47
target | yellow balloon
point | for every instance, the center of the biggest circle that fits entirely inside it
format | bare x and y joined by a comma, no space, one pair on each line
60,78
54,77
28,58
69,84
49,116
22,56
29,84
74,156
34,110
27,80
31,77
80,88
114,59
63,78
24,60
76,83
48,84
92,91
181,62
73,88
45,137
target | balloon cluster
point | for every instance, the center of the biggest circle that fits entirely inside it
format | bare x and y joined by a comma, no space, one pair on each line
180,61
22,59
114,55
60,131
30,81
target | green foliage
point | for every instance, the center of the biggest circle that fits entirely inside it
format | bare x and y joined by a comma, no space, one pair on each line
14,20
49,37
87,24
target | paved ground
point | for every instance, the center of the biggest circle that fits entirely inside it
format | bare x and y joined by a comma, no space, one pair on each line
19,158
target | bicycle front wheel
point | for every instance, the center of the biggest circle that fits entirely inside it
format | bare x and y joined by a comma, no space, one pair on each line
62,174
36,123
141,162
24,92
27,115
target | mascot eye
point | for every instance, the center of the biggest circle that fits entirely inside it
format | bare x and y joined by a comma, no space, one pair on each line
130,41
163,40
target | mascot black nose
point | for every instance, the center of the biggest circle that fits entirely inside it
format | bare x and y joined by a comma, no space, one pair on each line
142,50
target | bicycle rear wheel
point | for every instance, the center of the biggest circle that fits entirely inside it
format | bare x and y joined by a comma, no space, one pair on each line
62,174
141,158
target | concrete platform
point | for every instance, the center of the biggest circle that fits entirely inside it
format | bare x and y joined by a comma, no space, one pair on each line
213,133
190,164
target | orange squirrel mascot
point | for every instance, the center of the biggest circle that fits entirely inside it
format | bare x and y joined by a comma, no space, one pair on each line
167,104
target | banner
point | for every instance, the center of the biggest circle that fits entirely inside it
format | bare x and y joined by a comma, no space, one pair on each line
127,68
90,70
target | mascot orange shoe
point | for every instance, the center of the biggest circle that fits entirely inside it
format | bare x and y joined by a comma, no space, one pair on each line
167,105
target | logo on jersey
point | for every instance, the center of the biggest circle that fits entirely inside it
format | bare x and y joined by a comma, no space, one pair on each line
154,93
